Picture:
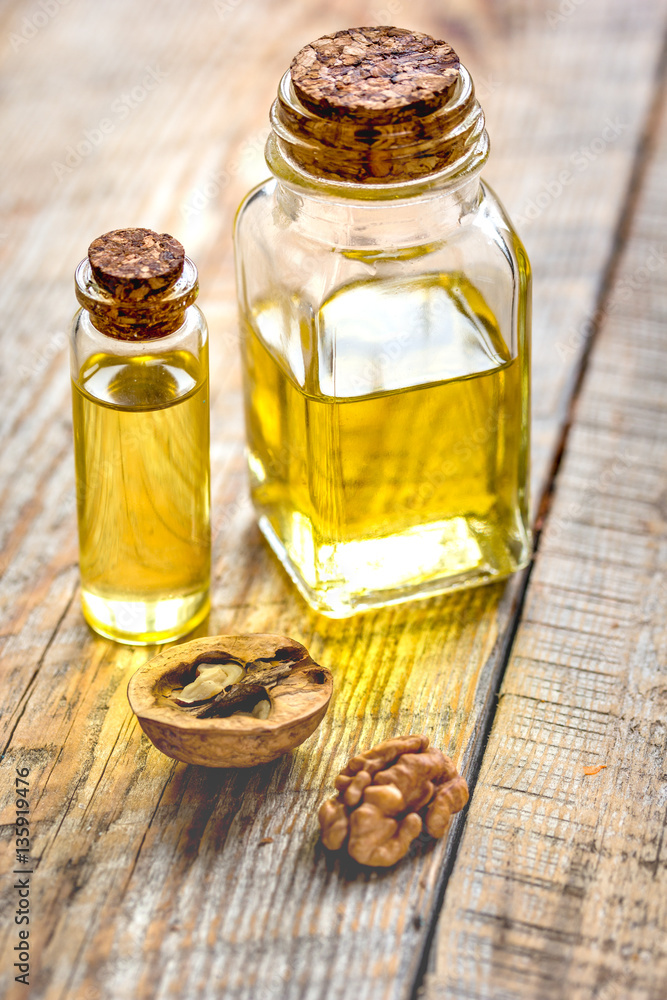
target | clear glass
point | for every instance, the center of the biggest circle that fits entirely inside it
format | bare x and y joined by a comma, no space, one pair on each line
141,440
386,352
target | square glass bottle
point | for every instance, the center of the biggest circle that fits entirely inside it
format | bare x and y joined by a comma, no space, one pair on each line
385,306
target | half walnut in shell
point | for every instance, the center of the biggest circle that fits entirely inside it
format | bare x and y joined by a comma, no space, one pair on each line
386,795
230,700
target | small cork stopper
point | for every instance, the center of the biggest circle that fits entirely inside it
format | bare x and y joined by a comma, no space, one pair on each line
136,284
377,73
132,264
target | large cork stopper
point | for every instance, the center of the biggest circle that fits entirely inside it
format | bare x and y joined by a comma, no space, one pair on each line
138,284
375,106
377,73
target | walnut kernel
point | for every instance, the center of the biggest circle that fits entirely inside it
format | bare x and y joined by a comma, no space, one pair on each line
385,797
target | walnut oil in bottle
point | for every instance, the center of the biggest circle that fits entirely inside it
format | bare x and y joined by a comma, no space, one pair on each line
141,438
385,302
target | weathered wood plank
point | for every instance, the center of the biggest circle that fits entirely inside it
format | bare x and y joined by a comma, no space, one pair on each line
150,879
560,886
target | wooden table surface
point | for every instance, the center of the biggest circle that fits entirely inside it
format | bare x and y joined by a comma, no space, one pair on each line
152,879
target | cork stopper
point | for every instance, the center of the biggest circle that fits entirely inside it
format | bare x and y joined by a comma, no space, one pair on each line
377,73
134,263
377,106
136,284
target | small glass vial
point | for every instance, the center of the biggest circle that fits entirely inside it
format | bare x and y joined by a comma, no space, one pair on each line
139,363
385,308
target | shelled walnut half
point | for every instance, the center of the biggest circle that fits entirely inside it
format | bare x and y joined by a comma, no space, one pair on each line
230,700
386,796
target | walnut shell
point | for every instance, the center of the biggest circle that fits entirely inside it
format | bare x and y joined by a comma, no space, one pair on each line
222,732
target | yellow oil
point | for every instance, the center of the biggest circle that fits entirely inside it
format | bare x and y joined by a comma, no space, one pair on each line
141,437
372,497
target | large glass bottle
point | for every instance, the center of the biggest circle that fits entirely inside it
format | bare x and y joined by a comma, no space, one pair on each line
139,363
385,308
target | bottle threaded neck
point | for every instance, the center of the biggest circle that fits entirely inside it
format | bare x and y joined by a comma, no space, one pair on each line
376,106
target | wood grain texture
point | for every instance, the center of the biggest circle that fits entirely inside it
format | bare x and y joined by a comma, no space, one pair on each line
157,880
560,885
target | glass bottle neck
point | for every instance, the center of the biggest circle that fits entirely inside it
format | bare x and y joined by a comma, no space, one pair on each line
374,184
137,319
407,221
